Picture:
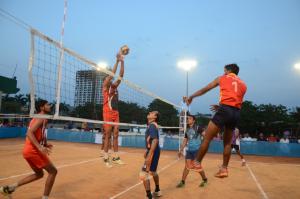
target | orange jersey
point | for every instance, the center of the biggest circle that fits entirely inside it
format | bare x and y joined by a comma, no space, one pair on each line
232,90
40,136
110,99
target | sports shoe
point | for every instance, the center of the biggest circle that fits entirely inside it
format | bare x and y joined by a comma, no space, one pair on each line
107,163
203,183
157,194
180,184
149,197
6,191
196,166
222,173
117,161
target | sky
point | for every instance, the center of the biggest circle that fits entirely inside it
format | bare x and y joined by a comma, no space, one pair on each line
261,36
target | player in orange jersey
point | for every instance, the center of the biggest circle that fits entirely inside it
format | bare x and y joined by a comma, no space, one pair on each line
110,108
35,152
227,114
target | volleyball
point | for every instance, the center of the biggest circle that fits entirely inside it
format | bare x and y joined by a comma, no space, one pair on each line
124,50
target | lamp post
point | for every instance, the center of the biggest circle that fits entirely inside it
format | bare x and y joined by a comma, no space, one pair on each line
186,65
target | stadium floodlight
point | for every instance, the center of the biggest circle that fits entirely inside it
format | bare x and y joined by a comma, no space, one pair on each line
297,66
102,65
186,64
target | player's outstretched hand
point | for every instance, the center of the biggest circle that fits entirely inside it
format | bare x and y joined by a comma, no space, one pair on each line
187,100
45,150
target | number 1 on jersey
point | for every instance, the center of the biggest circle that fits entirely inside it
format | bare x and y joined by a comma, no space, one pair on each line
235,86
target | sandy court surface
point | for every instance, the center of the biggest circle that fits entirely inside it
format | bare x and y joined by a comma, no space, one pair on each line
82,174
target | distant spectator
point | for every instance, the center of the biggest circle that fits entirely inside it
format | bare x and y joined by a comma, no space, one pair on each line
247,137
261,137
277,138
83,126
299,139
1,124
285,140
293,139
286,134
272,138
70,125
217,137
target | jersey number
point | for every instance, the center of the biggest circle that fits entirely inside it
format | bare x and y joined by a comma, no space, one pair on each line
235,86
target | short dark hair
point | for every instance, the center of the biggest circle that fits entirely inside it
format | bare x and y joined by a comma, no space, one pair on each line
190,115
39,104
234,68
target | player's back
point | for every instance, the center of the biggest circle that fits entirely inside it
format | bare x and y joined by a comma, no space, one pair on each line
232,90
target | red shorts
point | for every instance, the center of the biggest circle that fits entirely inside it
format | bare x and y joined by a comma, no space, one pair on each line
36,160
110,116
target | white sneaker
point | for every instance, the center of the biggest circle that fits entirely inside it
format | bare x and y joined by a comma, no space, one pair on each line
107,163
157,194
6,191
117,161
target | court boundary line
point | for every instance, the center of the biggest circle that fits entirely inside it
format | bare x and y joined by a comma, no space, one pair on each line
263,193
58,167
137,184
12,145
268,163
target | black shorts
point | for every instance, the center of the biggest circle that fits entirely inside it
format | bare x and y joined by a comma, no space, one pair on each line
236,147
226,116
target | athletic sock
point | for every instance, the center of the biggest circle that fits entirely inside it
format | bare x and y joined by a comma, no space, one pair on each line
116,155
157,188
45,197
224,167
13,187
105,155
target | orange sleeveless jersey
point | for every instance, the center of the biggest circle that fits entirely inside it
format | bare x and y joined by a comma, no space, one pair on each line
108,96
232,90
39,134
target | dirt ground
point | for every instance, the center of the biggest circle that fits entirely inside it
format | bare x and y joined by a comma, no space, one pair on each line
83,175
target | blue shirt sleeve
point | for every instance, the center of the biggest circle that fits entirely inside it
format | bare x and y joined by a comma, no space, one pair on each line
153,131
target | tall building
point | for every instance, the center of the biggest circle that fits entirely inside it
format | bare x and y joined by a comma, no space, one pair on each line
89,87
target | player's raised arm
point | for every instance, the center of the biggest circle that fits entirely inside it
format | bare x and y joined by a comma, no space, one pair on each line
109,77
202,91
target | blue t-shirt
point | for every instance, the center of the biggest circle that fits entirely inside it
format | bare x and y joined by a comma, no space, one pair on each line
194,140
151,133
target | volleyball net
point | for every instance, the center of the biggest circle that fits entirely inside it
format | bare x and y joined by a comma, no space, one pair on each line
73,85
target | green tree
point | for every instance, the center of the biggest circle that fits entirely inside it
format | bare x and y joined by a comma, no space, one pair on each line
88,111
132,112
168,114
248,122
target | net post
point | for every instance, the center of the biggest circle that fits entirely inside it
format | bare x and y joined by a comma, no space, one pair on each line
61,58
30,65
58,83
